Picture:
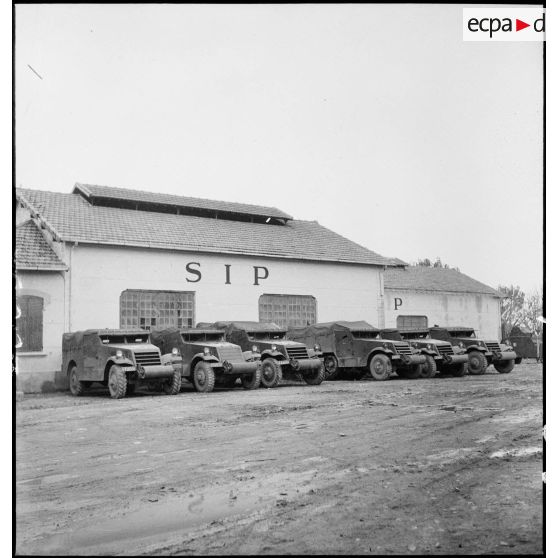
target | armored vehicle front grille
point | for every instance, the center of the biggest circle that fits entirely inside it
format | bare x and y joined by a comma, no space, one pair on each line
492,346
444,349
230,353
148,358
297,352
402,348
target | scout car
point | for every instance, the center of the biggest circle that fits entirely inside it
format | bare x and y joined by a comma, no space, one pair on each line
481,353
280,357
358,345
117,358
441,356
204,357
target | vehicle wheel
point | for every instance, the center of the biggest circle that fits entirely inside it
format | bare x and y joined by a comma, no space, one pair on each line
331,367
428,369
504,366
172,385
130,388
477,363
204,377
271,373
458,370
380,367
77,387
252,381
117,382
315,377
413,372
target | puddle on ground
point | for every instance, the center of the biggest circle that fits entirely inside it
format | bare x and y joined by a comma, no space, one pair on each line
174,514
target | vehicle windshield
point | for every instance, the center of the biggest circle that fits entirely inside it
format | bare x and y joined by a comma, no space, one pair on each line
463,333
202,336
266,335
119,339
392,335
416,335
365,334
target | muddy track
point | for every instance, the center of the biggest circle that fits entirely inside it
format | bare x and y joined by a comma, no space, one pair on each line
447,465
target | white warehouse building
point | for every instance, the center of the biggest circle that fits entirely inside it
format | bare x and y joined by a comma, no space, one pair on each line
103,257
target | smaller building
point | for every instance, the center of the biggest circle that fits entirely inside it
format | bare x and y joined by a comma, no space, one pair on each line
41,277
417,296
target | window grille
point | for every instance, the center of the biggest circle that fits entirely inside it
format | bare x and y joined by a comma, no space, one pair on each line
288,310
150,309
30,323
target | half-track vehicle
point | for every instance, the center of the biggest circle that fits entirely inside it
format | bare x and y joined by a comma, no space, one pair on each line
348,345
280,357
441,356
120,359
481,352
205,358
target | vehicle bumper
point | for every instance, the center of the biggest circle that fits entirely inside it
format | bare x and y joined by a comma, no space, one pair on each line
409,360
455,359
506,355
155,371
237,367
305,364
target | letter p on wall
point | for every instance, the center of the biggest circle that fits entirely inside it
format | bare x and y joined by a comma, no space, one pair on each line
503,24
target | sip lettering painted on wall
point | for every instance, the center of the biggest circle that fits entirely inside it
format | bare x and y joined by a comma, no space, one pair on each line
194,269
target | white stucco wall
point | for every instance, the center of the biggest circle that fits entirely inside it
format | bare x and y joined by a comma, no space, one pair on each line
36,370
446,309
99,275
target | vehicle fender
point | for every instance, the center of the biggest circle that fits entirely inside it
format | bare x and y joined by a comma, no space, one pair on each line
381,351
429,352
476,348
123,361
273,354
250,356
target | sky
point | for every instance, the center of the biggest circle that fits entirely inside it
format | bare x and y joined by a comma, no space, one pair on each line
378,121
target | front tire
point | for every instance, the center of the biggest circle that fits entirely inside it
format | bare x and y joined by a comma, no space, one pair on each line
271,373
172,385
252,381
315,377
504,366
331,367
428,369
77,387
204,378
380,367
458,370
117,382
477,363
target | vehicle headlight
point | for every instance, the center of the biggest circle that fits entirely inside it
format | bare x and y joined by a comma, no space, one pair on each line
317,348
385,345
206,350
461,344
429,346
273,347
119,353
174,351
254,348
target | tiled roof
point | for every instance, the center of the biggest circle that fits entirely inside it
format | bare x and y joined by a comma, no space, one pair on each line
92,192
437,279
33,251
72,218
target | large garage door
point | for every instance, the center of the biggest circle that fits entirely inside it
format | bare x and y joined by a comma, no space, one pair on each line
412,322
288,310
150,309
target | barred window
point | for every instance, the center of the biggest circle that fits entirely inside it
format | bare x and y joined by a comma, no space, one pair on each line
412,322
30,323
150,309
288,310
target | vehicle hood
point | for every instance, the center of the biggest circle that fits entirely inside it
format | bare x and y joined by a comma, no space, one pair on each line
136,347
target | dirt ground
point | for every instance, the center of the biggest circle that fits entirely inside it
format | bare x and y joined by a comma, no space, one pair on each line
441,466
